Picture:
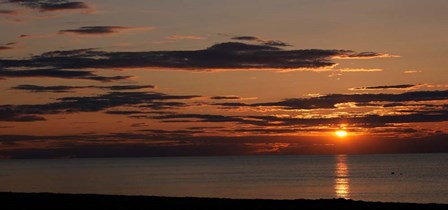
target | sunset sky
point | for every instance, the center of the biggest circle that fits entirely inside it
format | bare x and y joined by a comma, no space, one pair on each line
165,78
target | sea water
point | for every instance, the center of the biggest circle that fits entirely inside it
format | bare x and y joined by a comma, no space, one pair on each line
421,178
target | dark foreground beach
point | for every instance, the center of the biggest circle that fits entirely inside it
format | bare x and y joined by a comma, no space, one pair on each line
50,201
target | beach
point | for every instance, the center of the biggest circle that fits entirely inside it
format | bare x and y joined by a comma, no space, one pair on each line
49,201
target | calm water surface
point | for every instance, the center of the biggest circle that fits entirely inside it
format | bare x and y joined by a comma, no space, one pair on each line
419,178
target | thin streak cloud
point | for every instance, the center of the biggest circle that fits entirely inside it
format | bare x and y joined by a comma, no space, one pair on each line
50,5
101,30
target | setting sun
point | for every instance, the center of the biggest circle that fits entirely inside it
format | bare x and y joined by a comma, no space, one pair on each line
341,133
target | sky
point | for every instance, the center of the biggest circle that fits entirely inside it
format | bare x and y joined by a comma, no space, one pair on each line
198,78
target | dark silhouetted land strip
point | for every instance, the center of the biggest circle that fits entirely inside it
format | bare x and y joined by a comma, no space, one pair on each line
49,201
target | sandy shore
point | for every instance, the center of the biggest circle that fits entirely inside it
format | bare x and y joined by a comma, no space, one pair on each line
50,201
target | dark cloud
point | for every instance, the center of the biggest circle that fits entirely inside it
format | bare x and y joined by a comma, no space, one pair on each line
8,46
138,113
431,113
92,30
7,114
124,87
36,88
156,101
93,104
200,118
7,12
3,47
246,38
50,5
373,104
275,43
396,130
367,121
231,104
225,97
385,87
224,56
57,73
287,130
62,88
329,101
171,133
140,101
205,127
125,112
362,121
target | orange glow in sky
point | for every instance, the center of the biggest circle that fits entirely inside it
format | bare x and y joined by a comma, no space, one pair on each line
203,85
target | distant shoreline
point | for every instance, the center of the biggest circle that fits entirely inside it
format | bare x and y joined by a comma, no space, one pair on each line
58,201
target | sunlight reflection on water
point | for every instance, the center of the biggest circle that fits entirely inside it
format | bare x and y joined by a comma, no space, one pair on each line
342,180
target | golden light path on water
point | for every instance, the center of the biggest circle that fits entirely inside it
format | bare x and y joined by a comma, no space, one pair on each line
342,180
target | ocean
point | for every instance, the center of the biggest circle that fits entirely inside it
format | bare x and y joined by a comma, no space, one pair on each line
420,178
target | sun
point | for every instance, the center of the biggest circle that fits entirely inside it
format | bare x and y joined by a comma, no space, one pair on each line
341,133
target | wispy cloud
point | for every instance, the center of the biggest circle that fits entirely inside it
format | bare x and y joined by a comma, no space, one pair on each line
275,43
35,36
182,37
8,12
8,46
365,55
406,87
57,73
101,30
412,71
50,5
387,87
63,88
358,70
229,97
